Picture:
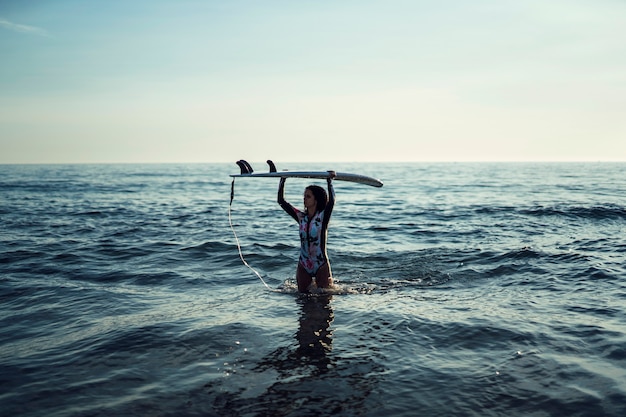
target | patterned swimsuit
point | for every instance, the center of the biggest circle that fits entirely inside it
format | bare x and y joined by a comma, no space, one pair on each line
313,232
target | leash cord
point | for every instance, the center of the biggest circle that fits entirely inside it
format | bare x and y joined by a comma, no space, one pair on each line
230,221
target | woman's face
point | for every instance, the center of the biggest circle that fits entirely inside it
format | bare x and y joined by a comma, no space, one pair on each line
309,199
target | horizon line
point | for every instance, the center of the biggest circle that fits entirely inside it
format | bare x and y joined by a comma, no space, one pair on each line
263,162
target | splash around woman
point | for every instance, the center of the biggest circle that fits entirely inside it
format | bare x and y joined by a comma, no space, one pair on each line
313,221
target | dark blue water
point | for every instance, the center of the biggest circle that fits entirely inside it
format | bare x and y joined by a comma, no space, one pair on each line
462,290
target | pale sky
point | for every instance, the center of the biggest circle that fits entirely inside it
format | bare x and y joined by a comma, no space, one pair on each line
302,80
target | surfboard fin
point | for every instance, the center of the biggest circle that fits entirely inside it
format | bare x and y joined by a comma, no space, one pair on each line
242,167
272,166
250,170
245,167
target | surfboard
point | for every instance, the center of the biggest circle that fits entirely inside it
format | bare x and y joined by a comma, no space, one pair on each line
341,176
247,172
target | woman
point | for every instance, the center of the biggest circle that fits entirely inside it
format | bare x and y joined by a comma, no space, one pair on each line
313,221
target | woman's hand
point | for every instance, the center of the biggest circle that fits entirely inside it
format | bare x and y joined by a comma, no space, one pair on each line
331,175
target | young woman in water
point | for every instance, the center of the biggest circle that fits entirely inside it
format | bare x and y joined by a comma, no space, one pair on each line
313,221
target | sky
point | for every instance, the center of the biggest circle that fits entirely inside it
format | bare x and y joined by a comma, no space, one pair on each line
301,80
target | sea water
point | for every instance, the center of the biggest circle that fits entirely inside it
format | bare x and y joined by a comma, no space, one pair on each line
481,289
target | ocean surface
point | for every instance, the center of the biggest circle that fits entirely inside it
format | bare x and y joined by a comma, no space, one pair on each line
479,289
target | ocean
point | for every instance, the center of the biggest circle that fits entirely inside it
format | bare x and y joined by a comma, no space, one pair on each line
462,289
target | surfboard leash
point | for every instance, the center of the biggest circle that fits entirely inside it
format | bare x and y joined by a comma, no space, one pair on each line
230,221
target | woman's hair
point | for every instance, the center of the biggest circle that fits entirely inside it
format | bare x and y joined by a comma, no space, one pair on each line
321,197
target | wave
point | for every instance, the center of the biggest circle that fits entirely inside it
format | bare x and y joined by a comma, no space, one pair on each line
593,212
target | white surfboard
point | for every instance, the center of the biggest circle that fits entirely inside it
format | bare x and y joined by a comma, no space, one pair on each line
340,176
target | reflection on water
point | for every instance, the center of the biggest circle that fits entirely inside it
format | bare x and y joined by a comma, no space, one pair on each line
314,342
314,335
300,373
306,376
